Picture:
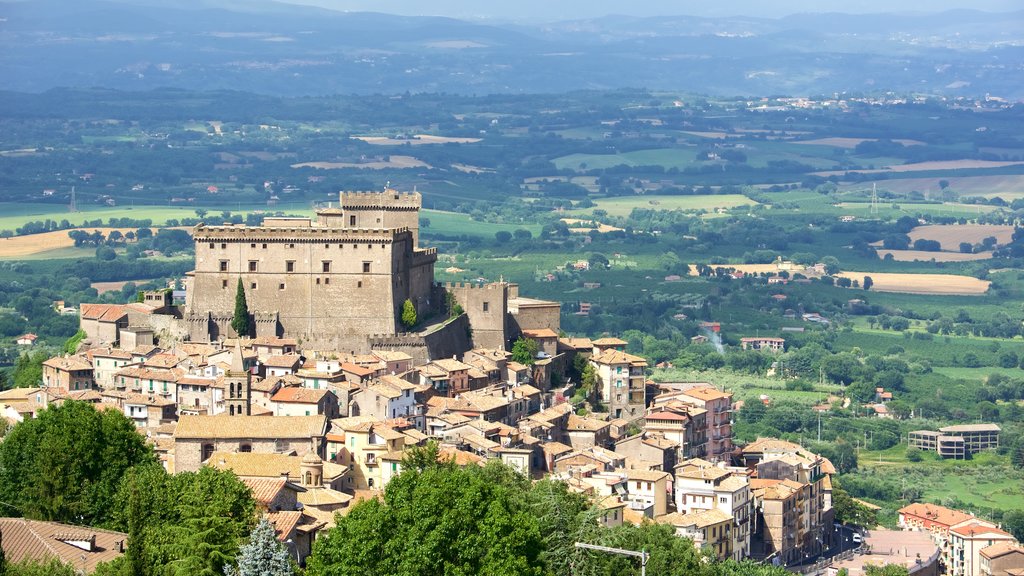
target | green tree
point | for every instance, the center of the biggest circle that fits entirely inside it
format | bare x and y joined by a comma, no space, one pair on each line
71,344
408,314
887,570
848,510
868,283
524,351
51,567
183,524
28,369
240,321
441,520
263,555
503,236
66,464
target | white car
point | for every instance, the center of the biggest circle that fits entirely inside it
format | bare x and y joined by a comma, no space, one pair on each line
857,538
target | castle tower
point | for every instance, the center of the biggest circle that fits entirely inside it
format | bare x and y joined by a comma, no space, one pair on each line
238,385
312,470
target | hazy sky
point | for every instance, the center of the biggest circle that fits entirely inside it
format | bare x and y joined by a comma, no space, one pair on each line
567,9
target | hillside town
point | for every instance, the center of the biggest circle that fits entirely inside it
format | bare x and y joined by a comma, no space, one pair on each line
315,405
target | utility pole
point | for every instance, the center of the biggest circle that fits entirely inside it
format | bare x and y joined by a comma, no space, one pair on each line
642,554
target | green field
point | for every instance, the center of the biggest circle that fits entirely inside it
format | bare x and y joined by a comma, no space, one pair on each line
16,215
457,224
667,157
623,205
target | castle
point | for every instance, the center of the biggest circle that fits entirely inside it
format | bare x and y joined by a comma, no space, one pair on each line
339,282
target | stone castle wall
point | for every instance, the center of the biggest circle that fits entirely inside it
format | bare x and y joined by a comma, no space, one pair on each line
323,283
486,305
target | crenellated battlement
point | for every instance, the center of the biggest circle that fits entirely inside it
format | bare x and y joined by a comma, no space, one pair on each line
242,233
386,200
495,286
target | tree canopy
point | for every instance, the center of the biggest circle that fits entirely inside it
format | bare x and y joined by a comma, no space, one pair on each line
436,518
524,351
66,464
190,523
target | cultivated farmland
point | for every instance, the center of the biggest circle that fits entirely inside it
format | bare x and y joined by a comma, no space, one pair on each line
922,283
22,246
950,236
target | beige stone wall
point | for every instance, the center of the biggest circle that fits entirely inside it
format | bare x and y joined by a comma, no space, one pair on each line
188,452
487,308
344,284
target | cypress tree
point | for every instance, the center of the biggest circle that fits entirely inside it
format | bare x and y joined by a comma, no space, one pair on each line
240,323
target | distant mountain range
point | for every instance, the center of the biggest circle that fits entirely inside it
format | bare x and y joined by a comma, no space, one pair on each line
277,48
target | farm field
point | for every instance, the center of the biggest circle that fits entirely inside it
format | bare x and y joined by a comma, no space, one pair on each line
921,283
839,142
394,161
622,206
924,256
416,140
1008,187
950,236
927,167
979,374
19,247
458,224
102,287
667,157
15,218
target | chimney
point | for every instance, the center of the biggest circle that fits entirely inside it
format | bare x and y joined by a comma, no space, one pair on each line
120,546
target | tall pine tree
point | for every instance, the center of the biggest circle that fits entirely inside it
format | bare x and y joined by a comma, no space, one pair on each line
240,322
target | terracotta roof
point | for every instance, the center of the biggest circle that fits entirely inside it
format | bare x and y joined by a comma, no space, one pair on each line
266,465
702,472
268,427
609,342
283,361
103,312
555,448
35,540
69,363
109,353
666,415
284,523
706,393
542,333
1001,549
356,369
581,423
450,365
701,519
935,513
148,400
265,490
320,496
647,475
618,357
978,528
299,395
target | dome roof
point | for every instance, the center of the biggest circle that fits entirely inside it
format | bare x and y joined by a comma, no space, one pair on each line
311,458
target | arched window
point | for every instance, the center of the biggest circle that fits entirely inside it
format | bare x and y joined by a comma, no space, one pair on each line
370,482
309,479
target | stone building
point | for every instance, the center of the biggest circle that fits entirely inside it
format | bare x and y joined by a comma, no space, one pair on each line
336,280
196,438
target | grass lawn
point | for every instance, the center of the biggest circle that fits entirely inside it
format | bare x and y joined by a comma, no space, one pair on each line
623,205
15,215
667,157
456,224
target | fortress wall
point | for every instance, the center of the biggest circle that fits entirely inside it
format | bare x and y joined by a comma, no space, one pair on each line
486,306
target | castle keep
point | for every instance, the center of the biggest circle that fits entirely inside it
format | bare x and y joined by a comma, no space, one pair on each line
336,279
